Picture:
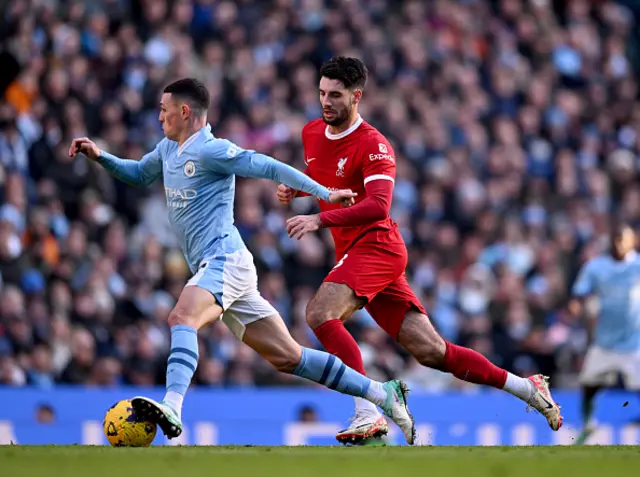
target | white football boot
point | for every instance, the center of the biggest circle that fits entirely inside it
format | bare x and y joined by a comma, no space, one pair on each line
542,401
396,408
364,425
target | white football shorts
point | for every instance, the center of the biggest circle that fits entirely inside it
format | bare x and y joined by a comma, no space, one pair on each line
233,280
602,366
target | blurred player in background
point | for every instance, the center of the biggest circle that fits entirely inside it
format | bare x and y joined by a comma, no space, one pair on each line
344,151
199,178
614,279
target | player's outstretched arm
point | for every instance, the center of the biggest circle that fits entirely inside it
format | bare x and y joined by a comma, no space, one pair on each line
374,207
136,173
286,194
226,158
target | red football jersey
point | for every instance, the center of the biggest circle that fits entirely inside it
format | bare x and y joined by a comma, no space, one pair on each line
350,160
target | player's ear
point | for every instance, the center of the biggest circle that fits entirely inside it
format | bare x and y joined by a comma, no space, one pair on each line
357,96
185,110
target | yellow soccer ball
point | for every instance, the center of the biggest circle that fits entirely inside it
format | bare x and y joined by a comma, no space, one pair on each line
123,429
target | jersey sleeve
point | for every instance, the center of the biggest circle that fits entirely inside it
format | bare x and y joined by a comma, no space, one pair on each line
373,208
299,193
136,173
378,160
584,284
224,157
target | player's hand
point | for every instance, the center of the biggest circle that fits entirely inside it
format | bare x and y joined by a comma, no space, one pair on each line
285,194
345,197
86,146
300,225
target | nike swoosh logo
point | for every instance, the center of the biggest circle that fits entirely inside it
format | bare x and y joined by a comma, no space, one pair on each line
549,405
310,160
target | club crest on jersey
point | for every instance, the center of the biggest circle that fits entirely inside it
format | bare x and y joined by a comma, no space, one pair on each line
341,163
189,169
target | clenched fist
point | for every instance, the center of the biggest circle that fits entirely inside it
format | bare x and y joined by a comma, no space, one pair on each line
85,146
345,197
285,194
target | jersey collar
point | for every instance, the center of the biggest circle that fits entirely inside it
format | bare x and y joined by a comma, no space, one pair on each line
345,133
192,139
631,256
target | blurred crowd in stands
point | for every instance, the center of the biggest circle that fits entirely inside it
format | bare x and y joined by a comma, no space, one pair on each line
516,125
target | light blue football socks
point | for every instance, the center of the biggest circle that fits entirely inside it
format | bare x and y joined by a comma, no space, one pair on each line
330,371
317,366
181,365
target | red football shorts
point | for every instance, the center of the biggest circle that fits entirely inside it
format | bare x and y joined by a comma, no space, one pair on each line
375,271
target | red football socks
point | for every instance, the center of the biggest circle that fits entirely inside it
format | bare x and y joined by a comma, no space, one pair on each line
338,341
471,366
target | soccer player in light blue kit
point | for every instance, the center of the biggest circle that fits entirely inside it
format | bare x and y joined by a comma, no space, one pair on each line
614,278
199,172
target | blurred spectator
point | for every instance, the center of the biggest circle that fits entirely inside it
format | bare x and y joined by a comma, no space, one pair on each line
45,414
515,125
307,414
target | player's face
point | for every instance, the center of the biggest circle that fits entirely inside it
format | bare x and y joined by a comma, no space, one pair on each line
337,101
171,117
624,241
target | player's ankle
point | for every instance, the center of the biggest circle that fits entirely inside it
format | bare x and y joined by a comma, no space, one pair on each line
519,387
364,406
174,400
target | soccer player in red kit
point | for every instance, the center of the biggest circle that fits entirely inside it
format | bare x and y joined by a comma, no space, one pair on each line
342,151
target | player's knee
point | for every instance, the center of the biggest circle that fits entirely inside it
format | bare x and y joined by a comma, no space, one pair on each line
317,314
181,317
316,317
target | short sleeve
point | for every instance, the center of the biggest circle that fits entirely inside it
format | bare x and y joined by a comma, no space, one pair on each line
584,284
378,160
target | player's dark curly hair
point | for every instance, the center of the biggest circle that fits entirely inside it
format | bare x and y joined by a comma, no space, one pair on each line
191,91
351,71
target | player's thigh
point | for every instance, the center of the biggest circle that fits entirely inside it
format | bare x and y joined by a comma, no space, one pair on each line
391,305
226,278
356,279
196,307
270,338
331,301
398,311
420,338
245,310
600,368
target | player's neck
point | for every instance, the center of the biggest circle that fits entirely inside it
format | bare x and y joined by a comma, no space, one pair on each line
189,131
626,257
344,126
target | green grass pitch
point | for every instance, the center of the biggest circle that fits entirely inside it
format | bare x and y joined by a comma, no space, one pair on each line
80,461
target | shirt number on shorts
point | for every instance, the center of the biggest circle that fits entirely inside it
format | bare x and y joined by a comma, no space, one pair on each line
339,264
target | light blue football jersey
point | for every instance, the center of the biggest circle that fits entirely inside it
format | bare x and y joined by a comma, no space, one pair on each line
617,286
199,182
